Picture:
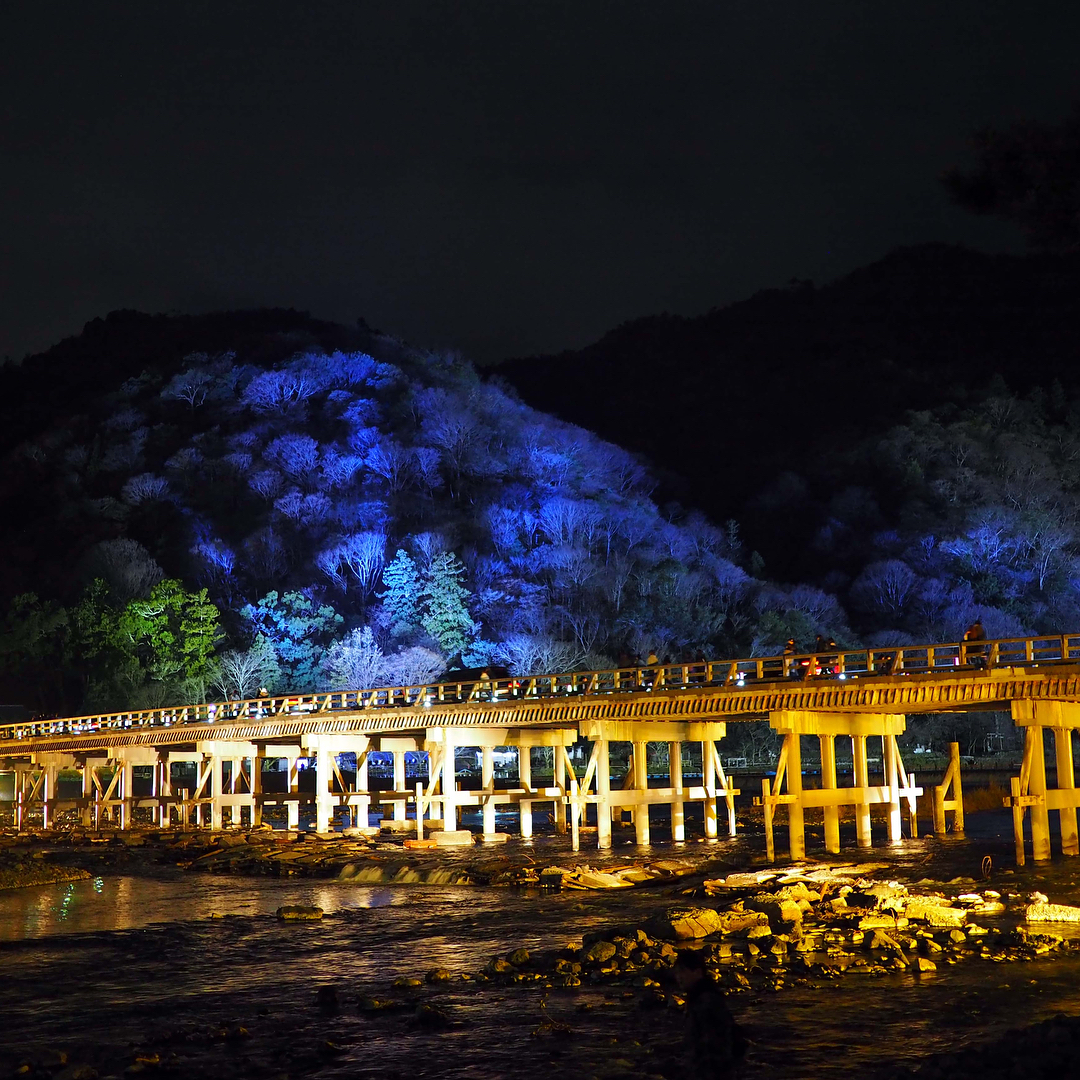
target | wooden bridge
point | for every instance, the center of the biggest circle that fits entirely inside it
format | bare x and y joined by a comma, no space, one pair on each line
854,694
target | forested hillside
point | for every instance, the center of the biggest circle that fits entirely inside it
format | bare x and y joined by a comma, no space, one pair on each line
318,507
206,505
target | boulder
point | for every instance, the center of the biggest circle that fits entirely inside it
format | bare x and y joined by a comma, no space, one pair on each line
1043,912
298,912
920,965
600,952
686,923
934,912
778,910
454,838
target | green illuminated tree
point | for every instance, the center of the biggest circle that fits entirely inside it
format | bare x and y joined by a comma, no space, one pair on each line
443,598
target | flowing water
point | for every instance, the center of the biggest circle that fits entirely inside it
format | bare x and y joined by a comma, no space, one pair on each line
176,963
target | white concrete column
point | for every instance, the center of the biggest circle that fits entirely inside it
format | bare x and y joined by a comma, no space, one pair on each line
559,779
641,783
708,780
324,799
487,783
828,782
86,814
889,761
1066,780
862,780
256,789
524,754
399,783
124,794
217,782
678,806
449,782
292,806
796,822
363,803
1040,815
603,794
48,793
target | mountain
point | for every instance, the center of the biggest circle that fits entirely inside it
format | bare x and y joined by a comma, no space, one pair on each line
791,380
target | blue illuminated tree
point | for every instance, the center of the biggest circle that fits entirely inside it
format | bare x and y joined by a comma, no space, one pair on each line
401,596
299,631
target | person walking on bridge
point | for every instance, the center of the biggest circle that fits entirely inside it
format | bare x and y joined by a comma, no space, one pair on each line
975,654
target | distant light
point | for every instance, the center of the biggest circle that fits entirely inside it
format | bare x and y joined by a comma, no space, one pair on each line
842,675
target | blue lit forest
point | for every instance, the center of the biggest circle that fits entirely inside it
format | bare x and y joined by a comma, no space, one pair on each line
215,504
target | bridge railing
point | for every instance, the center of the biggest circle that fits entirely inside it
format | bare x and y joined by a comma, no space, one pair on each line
833,664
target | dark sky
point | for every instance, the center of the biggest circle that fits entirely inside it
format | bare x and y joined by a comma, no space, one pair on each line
505,177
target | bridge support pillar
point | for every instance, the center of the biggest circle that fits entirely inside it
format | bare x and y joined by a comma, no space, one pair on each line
828,783
87,813
640,764
449,781
524,756
399,783
675,781
1066,781
559,779
787,788
636,795
1029,790
603,794
217,777
861,776
487,786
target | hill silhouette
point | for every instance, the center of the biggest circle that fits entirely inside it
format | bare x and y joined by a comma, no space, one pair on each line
789,379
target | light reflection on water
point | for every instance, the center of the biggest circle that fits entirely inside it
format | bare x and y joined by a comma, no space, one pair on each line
126,903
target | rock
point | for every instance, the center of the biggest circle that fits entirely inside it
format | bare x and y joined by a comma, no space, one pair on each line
1046,912
739,922
77,1071
934,912
392,825
438,975
454,838
291,913
494,838
499,966
777,910
921,965
686,923
519,957
413,844
405,982
600,952
431,1016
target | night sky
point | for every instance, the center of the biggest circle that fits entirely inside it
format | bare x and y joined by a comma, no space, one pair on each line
505,177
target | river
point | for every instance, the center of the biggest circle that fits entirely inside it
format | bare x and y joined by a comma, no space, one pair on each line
177,963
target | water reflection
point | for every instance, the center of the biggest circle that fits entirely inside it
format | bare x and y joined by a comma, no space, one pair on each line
127,903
